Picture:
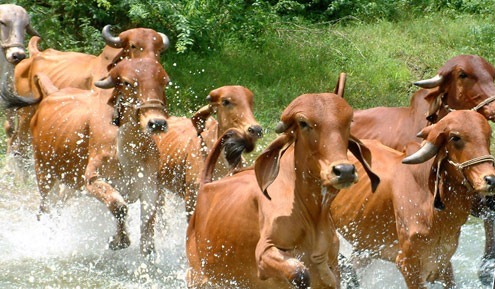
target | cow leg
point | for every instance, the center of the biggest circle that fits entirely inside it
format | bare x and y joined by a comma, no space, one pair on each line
447,276
20,145
275,263
45,185
409,265
149,202
116,204
485,273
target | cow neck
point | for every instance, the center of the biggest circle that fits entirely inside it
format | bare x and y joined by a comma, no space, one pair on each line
454,189
6,74
307,189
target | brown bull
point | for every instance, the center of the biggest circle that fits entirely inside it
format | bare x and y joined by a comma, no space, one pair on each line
269,227
464,82
14,22
75,144
184,147
73,69
414,218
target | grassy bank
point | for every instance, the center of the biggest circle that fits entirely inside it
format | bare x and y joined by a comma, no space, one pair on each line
382,60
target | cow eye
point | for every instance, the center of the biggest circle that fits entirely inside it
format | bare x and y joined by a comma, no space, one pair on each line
455,138
462,75
225,102
303,124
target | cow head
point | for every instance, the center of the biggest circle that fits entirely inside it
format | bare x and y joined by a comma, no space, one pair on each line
234,108
136,43
139,93
318,125
14,21
459,141
464,82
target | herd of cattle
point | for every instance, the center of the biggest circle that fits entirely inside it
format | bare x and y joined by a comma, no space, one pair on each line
397,183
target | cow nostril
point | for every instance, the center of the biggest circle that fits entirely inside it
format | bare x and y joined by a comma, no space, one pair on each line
344,170
490,181
157,125
18,56
256,130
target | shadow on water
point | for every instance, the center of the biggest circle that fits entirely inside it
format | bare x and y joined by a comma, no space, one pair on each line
68,248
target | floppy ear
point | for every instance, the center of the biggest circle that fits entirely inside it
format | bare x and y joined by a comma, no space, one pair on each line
434,98
217,148
199,118
267,164
363,154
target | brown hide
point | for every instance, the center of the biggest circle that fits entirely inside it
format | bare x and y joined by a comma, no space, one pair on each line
237,234
467,80
183,151
75,144
399,222
73,69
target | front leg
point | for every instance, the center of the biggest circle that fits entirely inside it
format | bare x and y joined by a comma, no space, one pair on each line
276,263
409,265
485,273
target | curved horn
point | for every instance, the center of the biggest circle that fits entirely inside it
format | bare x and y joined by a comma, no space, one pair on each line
105,83
166,41
430,83
110,40
426,152
31,31
281,127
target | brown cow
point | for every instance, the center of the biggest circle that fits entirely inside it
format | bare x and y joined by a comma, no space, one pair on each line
183,150
73,69
14,23
464,82
269,227
75,144
414,218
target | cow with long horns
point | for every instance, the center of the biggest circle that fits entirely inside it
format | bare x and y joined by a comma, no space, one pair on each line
463,82
75,144
74,69
414,218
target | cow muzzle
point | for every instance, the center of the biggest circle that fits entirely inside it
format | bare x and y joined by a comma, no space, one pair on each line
339,175
489,184
157,125
15,54
255,131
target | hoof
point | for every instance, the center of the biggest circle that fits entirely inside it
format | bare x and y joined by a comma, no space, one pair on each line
301,279
486,271
118,243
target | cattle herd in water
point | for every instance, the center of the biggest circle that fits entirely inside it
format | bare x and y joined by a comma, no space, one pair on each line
396,182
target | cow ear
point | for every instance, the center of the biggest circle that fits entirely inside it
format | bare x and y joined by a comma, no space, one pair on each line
363,154
211,159
199,118
267,165
434,99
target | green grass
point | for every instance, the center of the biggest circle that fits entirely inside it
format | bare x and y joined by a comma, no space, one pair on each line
382,60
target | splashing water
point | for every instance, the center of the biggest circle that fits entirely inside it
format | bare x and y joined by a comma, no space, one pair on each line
69,247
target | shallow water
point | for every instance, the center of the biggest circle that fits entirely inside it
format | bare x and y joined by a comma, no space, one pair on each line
68,248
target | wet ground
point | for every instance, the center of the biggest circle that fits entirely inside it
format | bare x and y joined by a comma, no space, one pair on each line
68,248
